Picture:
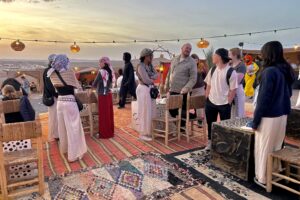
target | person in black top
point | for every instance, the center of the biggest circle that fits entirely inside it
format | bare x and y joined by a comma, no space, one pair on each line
128,81
273,106
49,91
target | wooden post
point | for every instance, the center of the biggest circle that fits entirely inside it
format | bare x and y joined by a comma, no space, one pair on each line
269,173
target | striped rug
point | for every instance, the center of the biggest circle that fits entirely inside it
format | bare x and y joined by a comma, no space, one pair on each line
102,151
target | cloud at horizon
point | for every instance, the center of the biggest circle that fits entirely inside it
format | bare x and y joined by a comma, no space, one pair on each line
99,20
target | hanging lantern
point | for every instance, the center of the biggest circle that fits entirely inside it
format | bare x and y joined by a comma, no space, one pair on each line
161,68
93,72
296,47
76,68
202,44
17,45
75,48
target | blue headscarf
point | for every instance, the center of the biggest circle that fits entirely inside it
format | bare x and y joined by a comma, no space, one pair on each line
60,63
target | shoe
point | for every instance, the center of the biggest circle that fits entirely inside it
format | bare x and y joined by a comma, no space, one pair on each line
145,138
259,183
208,146
121,107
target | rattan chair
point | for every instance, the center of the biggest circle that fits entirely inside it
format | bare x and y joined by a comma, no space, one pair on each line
173,102
14,132
191,127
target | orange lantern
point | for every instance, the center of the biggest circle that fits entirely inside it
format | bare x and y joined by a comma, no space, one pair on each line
75,48
17,45
202,44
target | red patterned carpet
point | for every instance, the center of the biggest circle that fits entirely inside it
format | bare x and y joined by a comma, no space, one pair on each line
102,151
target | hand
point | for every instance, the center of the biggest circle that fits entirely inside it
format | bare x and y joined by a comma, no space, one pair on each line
184,91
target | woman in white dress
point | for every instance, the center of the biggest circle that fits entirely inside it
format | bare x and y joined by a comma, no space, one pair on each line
146,106
70,131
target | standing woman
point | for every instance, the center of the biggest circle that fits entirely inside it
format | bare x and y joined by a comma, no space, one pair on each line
146,105
273,106
199,88
238,107
103,82
49,92
70,131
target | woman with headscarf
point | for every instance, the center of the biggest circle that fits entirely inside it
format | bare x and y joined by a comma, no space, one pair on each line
70,131
146,105
49,92
252,69
273,106
103,83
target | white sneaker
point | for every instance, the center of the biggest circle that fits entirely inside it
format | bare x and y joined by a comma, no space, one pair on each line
208,146
146,138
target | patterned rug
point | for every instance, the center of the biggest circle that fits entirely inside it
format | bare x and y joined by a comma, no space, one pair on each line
146,176
228,186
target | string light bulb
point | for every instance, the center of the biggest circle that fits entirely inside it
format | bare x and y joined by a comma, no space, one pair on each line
296,46
75,48
17,45
202,44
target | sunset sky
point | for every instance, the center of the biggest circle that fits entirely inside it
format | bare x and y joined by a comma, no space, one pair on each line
108,20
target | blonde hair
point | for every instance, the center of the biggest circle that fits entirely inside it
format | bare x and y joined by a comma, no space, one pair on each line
236,52
9,91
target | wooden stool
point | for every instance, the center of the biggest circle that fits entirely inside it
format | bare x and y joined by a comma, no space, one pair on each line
291,157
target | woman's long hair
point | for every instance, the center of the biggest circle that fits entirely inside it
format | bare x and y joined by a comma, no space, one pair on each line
272,55
107,68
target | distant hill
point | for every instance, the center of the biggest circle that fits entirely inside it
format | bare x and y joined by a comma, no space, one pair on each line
31,64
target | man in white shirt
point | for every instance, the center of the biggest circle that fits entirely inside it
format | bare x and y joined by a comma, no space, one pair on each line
222,82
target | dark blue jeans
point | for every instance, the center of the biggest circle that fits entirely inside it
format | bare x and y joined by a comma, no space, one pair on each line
212,111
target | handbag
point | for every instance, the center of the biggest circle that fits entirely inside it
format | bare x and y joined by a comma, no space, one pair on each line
48,101
79,104
154,92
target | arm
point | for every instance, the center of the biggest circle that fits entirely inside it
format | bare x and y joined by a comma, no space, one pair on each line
207,91
130,73
96,81
144,76
192,80
233,85
264,97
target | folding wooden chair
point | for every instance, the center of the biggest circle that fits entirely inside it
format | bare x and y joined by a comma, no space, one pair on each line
192,128
85,114
15,132
173,102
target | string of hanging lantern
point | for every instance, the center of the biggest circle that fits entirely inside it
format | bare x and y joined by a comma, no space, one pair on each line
18,44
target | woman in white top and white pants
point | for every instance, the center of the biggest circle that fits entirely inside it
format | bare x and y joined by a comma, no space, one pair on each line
146,105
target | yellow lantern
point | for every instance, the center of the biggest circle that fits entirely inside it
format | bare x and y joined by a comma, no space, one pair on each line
296,47
93,72
76,68
75,48
17,45
202,44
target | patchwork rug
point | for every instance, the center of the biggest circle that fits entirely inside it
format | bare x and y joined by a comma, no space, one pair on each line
146,176
228,186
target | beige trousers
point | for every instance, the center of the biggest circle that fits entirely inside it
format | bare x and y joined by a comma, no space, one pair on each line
71,134
268,138
52,121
